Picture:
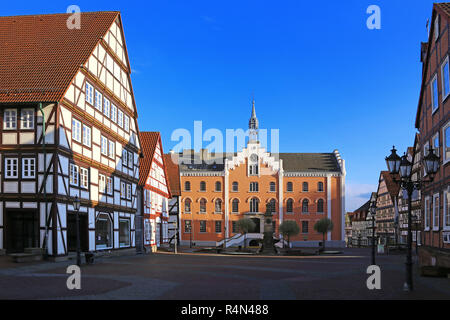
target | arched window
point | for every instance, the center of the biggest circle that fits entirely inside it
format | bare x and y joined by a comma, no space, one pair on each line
187,205
305,204
273,205
218,186
235,186
254,205
305,186
218,205
272,187
290,206
235,206
202,205
203,186
187,186
320,186
289,187
320,205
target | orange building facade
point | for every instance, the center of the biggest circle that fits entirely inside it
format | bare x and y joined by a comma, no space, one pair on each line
218,190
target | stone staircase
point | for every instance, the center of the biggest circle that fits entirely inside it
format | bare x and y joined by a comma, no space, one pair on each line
29,255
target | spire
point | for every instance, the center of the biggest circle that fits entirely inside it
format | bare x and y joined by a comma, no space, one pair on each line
253,124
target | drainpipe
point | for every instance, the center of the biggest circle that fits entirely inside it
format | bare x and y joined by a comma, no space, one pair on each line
44,181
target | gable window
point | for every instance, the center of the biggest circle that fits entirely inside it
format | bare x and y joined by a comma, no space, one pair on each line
187,206
11,167
202,205
202,186
10,119
127,124
289,187
218,226
74,175
436,28
27,118
76,130
218,186
86,135
106,107
272,187
98,100
89,93
320,186
84,178
305,187
120,118
290,206
235,186
235,206
28,168
254,187
445,79
320,203
305,204
436,211
113,113
187,186
434,94
111,149
104,146
253,170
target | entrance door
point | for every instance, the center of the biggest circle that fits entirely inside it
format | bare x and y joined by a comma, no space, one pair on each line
158,234
257,225
21,230
72,232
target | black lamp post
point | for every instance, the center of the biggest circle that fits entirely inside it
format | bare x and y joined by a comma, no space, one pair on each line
76,207
403,167
371,216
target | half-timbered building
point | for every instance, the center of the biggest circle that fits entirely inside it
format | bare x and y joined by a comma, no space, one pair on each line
155,187
68,129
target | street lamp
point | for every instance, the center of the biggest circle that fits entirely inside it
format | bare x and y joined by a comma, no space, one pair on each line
403,167
371,216
76,207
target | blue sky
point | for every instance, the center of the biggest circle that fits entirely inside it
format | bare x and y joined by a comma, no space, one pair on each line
318,74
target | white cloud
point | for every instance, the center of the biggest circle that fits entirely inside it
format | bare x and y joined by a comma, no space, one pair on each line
356,194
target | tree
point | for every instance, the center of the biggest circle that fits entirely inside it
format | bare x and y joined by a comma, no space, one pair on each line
245,225
289,228
323,226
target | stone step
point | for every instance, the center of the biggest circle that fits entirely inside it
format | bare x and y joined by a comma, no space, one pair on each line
25,257
34,250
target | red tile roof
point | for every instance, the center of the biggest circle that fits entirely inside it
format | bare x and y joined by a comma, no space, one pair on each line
173,173
149,140
392,187
39,55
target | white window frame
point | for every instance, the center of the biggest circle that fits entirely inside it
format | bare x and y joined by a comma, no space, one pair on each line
125,158
130,159
435,214
436,28
27,118
109,185
84,178
106,106
89,93
76,130
444,143
128,191
11,168
28,168
433,101
123,194
113,113
126,125
9,120
111,149
433,140
446,213
87,136
104,145
98,100
101,183
120,118
74,172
